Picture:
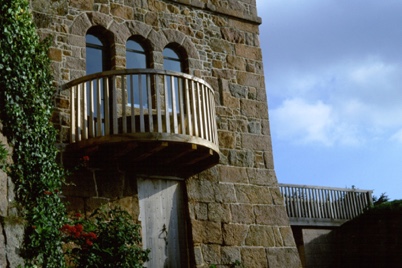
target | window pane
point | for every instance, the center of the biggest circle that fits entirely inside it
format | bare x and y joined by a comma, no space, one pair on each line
94,60
170,53
171,60
95,64
132,45
136,58
94,54
91,39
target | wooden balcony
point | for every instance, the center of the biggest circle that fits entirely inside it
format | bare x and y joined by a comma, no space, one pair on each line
323,206
146,121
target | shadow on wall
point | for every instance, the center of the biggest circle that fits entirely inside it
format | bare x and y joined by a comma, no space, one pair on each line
373,239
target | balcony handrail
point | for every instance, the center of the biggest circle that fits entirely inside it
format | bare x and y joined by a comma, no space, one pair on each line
132,101
315,202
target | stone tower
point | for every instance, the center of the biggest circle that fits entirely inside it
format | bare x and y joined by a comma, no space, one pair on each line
166,98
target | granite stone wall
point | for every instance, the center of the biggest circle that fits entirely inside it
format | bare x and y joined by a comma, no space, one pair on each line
235,209
11,223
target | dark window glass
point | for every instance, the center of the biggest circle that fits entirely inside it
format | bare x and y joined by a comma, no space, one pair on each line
136,85
172,62
94,54
95,62
135,55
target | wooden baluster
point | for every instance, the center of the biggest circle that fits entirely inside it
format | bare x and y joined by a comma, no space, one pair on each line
142,119
73,111
106,113
204,115
91,110
188,107
79,112
334,204
291,202
195,102
200,118
132,108
98,104
213,119
149,98
180,82
167,120
158,104
208,111
124,103
174,108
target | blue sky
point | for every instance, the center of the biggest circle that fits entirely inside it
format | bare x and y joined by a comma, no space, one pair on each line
333,74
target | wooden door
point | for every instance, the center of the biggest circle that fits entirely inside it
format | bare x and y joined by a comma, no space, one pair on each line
162,216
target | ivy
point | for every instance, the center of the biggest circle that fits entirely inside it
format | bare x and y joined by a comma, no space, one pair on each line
25,110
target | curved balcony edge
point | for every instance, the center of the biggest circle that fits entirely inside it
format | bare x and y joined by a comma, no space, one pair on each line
146,109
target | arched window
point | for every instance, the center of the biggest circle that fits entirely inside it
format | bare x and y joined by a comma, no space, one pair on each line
173,62
136,58
135,55
97,54
97,60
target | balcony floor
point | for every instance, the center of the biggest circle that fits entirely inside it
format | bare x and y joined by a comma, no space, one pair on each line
156,154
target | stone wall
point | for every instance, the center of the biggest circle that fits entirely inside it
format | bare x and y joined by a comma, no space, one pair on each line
235,209
315,245
11,223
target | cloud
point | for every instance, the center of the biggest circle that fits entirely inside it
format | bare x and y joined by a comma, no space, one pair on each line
345,102
397,136
333,70
333,78
302,122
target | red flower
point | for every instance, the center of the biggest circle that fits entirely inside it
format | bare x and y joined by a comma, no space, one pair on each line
68,229
78,215
92,235
79,227
47,192
85,158
89,242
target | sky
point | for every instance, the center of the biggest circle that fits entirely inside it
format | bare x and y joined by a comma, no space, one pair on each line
333,75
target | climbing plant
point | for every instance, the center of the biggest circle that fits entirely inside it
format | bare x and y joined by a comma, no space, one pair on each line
25,109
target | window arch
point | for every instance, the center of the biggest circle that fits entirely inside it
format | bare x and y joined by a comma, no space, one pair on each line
98,54
98,59
173,61
175,58
136,56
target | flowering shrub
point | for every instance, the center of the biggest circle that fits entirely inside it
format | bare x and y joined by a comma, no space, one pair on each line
108,238
77,233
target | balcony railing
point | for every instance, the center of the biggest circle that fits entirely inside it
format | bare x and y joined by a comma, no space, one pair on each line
312,204
136,101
